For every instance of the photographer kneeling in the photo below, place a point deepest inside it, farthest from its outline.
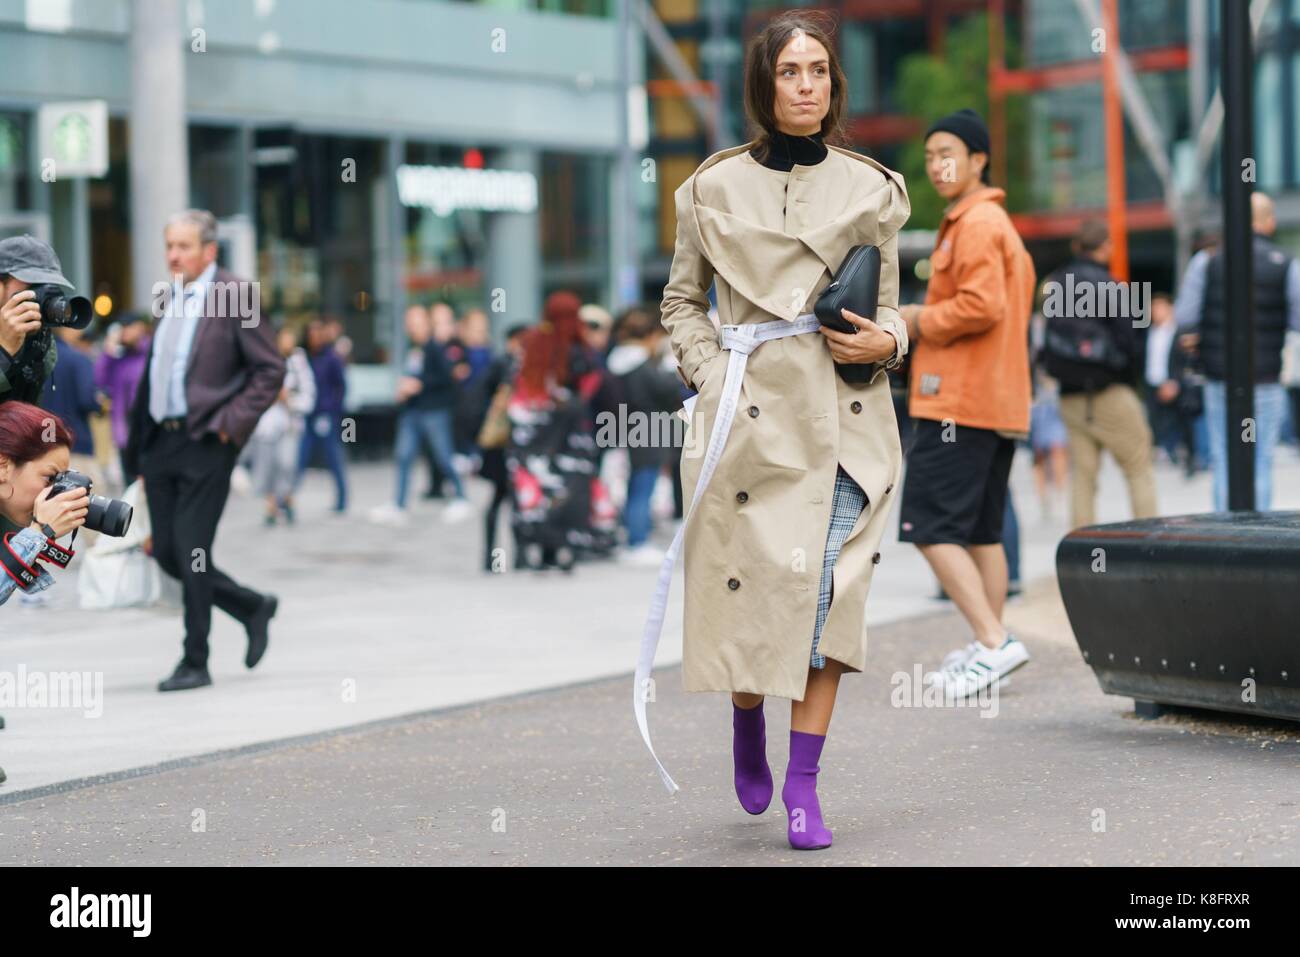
(34, 447)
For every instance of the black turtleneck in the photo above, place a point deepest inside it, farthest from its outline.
(785, 151)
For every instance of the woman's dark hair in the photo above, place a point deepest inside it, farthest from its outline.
(27, 432)
(637, 323)
(760, 76)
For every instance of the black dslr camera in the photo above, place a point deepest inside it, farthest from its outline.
(107, 515)
(60, 310)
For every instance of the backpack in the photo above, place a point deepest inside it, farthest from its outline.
(1082, 353)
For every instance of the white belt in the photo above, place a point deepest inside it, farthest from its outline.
(740, 341)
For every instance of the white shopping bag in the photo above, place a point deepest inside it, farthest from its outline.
(615, 468)
(115, 572)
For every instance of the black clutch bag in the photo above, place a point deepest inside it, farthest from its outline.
(855, 287)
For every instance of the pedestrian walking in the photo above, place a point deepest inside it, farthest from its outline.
(808, 465)
(1201, 313)
(277, 440)
(324, 427)
(1095, 356)
(969, 401)
(210, 376)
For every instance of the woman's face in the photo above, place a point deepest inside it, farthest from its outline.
(803, 86)
(27, 481)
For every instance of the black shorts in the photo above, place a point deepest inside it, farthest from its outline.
(955, 491)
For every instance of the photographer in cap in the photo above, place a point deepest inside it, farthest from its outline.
(27, 352)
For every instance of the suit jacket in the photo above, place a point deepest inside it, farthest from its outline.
(234, 374)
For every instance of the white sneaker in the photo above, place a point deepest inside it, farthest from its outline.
(388, 514)
(643, 554)
(985, 667)
(954, 663)
(457, 510)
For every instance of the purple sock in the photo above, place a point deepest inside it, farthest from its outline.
(804, 828)
(749, 751)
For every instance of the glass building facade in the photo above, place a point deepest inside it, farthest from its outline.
(301, 118)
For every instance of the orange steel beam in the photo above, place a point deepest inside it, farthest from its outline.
(1031, 80)
(997, 96)
(1059, 224)
(1114, 117)
(669, 87)
(884, 128)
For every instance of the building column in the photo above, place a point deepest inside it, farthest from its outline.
(159, 151)
(390, 262)
(514, 267)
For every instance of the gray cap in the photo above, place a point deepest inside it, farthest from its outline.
(32, 261)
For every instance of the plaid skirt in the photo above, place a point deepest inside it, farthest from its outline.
(846, 506)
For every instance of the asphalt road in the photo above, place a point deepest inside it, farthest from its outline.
(1061, 775)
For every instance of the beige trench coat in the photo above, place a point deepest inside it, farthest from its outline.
(753, 550)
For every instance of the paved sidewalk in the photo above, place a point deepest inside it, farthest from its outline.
(1062, 775)
(374, 625)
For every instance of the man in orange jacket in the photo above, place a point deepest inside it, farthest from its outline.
(969, 399)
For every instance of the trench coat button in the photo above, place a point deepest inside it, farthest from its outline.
(733, 583)
(742, 497)
(855, 407)
(875, 559)
(889, 488)
(753, 412)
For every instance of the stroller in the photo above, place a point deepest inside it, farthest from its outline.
(561, 507)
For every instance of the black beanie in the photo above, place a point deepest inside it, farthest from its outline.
(967, 126)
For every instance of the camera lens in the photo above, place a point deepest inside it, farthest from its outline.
(75, 313)
(59, 310)
(108, 515)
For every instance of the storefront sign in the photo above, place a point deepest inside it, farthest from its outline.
(75, 137)
(444, 189)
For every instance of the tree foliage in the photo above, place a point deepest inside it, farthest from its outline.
(930, 87)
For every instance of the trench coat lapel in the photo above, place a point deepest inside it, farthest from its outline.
(792, 266)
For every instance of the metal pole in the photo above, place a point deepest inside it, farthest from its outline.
(1236, 65)
(627, 279)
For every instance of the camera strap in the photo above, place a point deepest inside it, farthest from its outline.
(22, 573)
(55, 554)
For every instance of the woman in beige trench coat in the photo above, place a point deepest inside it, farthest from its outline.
(811, 462)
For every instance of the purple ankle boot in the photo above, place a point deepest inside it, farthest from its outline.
(749, 752)
(804, 828)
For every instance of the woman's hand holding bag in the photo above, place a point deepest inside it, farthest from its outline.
(869, 345)
(858, 346)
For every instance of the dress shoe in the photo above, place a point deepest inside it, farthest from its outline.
(258, 630)
(186, 677)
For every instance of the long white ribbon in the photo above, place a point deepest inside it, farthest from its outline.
(740, 341)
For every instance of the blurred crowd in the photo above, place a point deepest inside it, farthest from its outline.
(525, 419)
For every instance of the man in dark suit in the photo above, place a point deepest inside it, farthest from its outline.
(213, 369)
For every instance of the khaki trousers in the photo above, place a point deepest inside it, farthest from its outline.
(1112, 420)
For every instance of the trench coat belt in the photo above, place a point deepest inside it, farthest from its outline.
(740, 340)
